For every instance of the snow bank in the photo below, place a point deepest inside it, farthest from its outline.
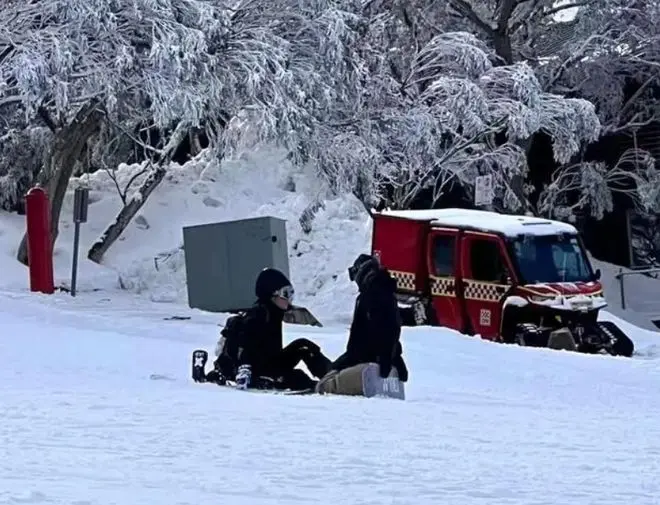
(149, 259)
(641, 295)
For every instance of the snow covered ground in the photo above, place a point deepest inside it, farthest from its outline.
(97, 408)
(96, 404)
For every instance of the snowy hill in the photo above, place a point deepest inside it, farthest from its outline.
(98, 407)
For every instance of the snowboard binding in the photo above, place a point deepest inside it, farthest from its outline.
(199, 359)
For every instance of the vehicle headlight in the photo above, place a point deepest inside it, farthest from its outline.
(583, 304)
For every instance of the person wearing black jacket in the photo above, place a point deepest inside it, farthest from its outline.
(258, 354)
(376, 328)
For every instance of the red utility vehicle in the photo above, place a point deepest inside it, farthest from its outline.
(507, 278)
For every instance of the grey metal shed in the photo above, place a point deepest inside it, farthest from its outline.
(223, 260)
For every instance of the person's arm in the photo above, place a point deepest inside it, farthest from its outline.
(386, 324)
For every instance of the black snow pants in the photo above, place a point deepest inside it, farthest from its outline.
(284, 370)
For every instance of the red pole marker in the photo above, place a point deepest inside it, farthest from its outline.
(40, 247)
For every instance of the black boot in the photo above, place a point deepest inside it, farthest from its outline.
(216, 377)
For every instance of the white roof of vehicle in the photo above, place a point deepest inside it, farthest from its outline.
(507, 224)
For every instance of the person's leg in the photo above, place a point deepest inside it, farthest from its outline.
(306, 351)
(296, 380)
(348, 381)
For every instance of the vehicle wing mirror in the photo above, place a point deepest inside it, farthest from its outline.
(597, 274)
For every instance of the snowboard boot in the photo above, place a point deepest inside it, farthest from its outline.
(199, 359)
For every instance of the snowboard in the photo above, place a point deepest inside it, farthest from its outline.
(199, 359)
(373, 385)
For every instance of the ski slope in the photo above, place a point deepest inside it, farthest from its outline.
(98, 408)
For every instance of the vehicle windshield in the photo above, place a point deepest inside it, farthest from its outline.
(551, 258)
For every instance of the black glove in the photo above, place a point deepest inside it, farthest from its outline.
(385, 368)
(401, 368)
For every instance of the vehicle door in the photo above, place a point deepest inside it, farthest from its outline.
(442, 263)
(486, 275)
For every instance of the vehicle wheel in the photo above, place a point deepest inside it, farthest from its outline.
(407, 316)
(530, 335)
(623, 345)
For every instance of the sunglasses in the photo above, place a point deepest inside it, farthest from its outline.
(286, 292)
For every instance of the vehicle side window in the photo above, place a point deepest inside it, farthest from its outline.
(443, 255)
(486, 261)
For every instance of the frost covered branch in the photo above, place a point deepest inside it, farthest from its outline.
(591, 186)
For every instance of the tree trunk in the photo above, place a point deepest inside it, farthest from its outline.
(68, 146)
(128, 212)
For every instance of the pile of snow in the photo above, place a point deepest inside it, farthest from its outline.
(641, 295)
(148, 259)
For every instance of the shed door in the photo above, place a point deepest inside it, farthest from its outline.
(486, 275)
(442, 257)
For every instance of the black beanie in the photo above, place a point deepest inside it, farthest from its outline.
(362, 265)
(268, 281)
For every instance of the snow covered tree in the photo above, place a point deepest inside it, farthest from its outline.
(436, 124)
(595, 49)
(171, 64)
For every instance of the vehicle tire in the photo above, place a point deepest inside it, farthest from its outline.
(623, 345)
(407, 316)
(530, 335)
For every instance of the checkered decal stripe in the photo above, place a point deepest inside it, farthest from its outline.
(405, 281)
(484, 291)
(443, 286)
(446, 286)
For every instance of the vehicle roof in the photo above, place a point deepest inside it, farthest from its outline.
(506, 224)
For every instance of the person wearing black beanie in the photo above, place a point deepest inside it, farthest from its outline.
(252, 352)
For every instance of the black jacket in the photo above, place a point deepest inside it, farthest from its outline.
(261, 342)
(376, 328)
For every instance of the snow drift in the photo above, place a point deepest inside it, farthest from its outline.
(148, 259)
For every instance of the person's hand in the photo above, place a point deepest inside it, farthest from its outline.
(385, 369)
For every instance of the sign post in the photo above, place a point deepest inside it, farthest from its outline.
(484, 192)
(80, 205)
